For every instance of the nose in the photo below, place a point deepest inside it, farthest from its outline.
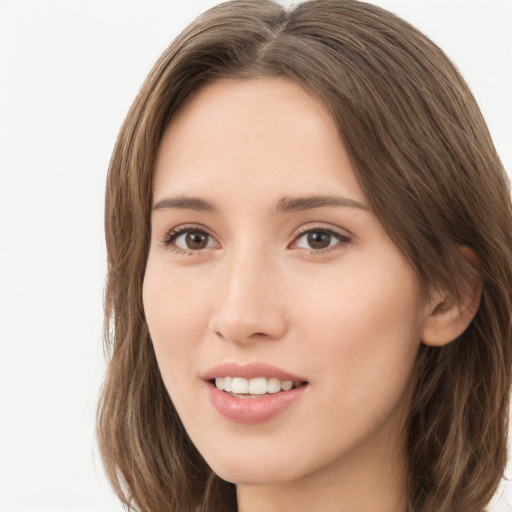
(250, 304)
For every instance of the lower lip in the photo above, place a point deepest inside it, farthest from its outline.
(253, 410)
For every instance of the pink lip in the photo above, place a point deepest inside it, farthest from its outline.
(251, 410)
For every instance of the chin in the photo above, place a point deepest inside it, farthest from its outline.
(247, 470)
(245, 476)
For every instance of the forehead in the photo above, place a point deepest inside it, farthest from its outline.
(256, 134)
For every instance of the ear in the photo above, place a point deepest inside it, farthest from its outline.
(449, 315)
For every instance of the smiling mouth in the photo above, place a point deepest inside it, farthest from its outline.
(258, 387)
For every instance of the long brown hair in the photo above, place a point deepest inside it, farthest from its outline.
(426, 162)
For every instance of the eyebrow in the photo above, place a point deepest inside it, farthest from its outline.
(287, 205)
(184, 203)
(284, 205)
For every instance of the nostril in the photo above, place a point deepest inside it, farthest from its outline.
(245, 325)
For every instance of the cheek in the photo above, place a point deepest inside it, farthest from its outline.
(366, 330)
(366, 299)
(176, 322)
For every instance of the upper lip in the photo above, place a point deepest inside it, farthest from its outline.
(250, 371)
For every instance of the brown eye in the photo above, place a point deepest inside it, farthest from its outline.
(195, 240)
(189, 239)
(319, 239)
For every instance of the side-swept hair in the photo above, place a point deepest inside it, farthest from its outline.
(423, 156)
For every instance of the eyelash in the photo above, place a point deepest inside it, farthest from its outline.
(342, 239)
(170, 238)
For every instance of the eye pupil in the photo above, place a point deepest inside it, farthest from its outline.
(196, 240)
(319, 239)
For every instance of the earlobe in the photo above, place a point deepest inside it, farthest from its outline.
(450, 315)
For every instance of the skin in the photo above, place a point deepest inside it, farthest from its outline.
(349, 318)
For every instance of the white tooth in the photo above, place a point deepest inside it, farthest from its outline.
(240, 385)
(286, 385)
(219, 382)
(273, 385)
(228, 384)
(258, 386)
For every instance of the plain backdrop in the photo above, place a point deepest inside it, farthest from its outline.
(69, 70)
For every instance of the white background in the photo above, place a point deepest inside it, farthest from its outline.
(69, 70)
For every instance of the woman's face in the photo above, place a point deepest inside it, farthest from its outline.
(266, 270)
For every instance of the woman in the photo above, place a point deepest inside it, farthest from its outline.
(308, 299)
